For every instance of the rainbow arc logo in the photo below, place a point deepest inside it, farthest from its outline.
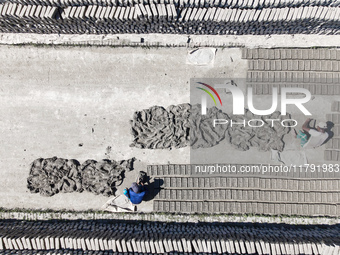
(209, 93)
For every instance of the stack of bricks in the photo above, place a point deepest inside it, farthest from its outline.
(317, 70)
(332, 152)
(170, 16)
(98, 237)
(295, 192)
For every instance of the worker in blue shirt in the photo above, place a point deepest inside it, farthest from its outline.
(136, 193)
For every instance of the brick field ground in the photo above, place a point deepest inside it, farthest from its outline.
(54, 99)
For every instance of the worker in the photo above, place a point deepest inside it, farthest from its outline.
(136, 192)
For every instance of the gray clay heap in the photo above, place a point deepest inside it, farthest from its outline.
(183, 125)
(53, 175)
(101, 177)
(159, 128)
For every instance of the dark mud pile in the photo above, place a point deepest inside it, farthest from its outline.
(184, 125)
(160, 128)
(53, 175)
(102, 177)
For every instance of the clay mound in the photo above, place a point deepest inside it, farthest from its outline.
(202, 132)
(264, 138)
(183, 125)
(53, 175)
(101, 177)
(160, 128)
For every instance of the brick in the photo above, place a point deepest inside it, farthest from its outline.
(324, 90)
(271, 54)
(200, 182)
(310, 53)
(288, 53)
(288, 209)
(244, 52)
(290, 65)
(173, 182)
(316, 65)
(335, 66)
(323, 65)
(263, 54)
(304, 54)
(316, 54)
(295, 65)
(335, 106)
(305, 77)
(260, 64)
(206, 195)
(277, 65)
(283, 65)
(299, 53)
(301, 65)
(322, 53)
(327, 54)
(306, 65)
(294, 53)
(252, 65)
(283, 54)
(267, 65)
(167, 170)
(249, 77)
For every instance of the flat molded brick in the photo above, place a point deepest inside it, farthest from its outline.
(263, 53)
(333, 54)
(244, 52)
(255, 53)
(301, 65)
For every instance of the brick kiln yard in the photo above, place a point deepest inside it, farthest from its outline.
(76, 102)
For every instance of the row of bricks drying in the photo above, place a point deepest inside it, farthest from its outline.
(170, 12)
(143, 27)
(258, 208)
(315, 89)
(97, 29)
(239, 240)
(275, 184)
(19, 12)
(189, 171)
(97, 228)
(249, 195)
(294, 77)
(239, 4)
(290, 53)
(198, 244)
(295, 65)
(201, 246)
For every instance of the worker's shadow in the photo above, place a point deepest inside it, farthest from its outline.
(153, 189)
(329, 131)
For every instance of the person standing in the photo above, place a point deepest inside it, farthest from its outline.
(312, 137)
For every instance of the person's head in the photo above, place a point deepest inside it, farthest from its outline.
(135, 187)
(321, 127)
